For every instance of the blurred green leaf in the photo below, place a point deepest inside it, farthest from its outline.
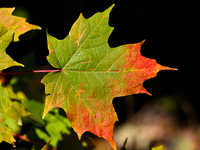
(5, 131)
(59, 130)
(9, 109)
(30, 80)
(36, 109)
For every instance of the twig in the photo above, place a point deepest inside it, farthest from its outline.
(33, 71)
(29, 140)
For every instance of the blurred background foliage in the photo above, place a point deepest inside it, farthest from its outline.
(169, 117)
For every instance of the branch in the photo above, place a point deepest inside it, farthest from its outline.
(29, 140)
(34, 71)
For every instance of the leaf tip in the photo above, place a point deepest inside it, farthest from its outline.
(19, 122)
(79, 136)
(149, 94)
(146, 92)
(113, 145)
(13, 145)
(168, 68)
(174, 69)
(18, 64)
(112, 5)
(161, 67)
(44, 114)
(38, 28)
(142, 41)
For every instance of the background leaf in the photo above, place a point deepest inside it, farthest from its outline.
(9, 109)
(5, 131)
(158, 148)
(6, 37)
(10, 26)
(9, 21)
(58, 128)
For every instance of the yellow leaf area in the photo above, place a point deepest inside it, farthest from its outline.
(9, 21)
(158, 148)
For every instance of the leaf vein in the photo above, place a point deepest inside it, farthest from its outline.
(82, 42)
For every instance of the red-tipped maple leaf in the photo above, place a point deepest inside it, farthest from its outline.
(92, 74)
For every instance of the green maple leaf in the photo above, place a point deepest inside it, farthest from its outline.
(59, 130)
(92, 74)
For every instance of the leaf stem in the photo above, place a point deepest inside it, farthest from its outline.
(33, 141)
(33, 71)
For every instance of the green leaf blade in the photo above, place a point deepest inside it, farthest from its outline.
(84, 36)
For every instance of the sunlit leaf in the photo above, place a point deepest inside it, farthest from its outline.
(92, 74)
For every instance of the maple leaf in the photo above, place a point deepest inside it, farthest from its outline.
(92, 74)
(9, 26)
(6, 38)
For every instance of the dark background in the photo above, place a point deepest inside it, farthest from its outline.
(171, 31)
